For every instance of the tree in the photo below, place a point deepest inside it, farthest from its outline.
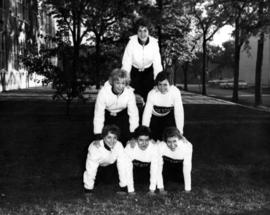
(70, 16)
(172, 28)
(244, 17)
(263, 22)
(209, 18)
(104, 19)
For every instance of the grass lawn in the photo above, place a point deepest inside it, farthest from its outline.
(42, 155)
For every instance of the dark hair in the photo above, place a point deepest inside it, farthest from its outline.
(114, 129)
(141, 22)
(142, 131)
(163, 76)
(171, 132)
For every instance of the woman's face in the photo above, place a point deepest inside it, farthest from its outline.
(110, 140)
(119, 85)
(143, 33)
(163, 86)
(172, 143)
(143, 142)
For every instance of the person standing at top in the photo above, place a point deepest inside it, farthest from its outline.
(116, 104)
(142, 59)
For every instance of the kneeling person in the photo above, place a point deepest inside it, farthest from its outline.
(108, 151)
(144, 150)
(176, 147)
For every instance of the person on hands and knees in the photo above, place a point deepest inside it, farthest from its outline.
(109, 151)
(116, 104)
(144, 152)
(176, 148)
(164, 107)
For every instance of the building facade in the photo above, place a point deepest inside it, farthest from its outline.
(21, 23)
(247, 67)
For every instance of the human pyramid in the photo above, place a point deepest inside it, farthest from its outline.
(120, 138)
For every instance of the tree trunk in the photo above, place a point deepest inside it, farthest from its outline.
(159, 29)
(259, 62)
(236, 61)
(204, 66)
(97, 62)
(258, 74)
(75, 68)
(185, 68)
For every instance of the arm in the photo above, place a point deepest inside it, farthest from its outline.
(147, 113)
(133, 113)
(129, 169)
(160, 183)
(178, 110)
(187, 166)
(91, 165)
(156, 178)
(127, 58)
(157, 60)
(99, 113)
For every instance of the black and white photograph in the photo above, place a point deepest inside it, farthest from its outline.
(134, 107)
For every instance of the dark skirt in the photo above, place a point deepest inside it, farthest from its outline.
(142, 82)
(159, 123)
(122, 121)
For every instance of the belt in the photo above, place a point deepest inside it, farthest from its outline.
(141, 69)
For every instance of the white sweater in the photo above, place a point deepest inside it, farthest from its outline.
(102, 156)
(142, 57)
(107, 100)
(183, 152)
(171, 99)
(151, 155)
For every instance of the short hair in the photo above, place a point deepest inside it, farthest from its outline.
(116, 74)
(163, 76)
(114, 129)
(142, 21)
(142, 131)
(171, 132)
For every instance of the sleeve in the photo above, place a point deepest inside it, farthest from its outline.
(99, 113)
(93, 153)
(128, 152)
(157, 60)
(127, 58)
(187, 167)
(147, 113)
(178, 110)
(133, 113)
(156, 178)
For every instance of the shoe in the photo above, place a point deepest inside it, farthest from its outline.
(132, 193)
(88, 192)
(122, 191)
(186, 191)
(151, 193)
(163, 192)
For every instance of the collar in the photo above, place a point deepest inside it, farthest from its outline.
(107, 147)
(116, 93)
(143, 44)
